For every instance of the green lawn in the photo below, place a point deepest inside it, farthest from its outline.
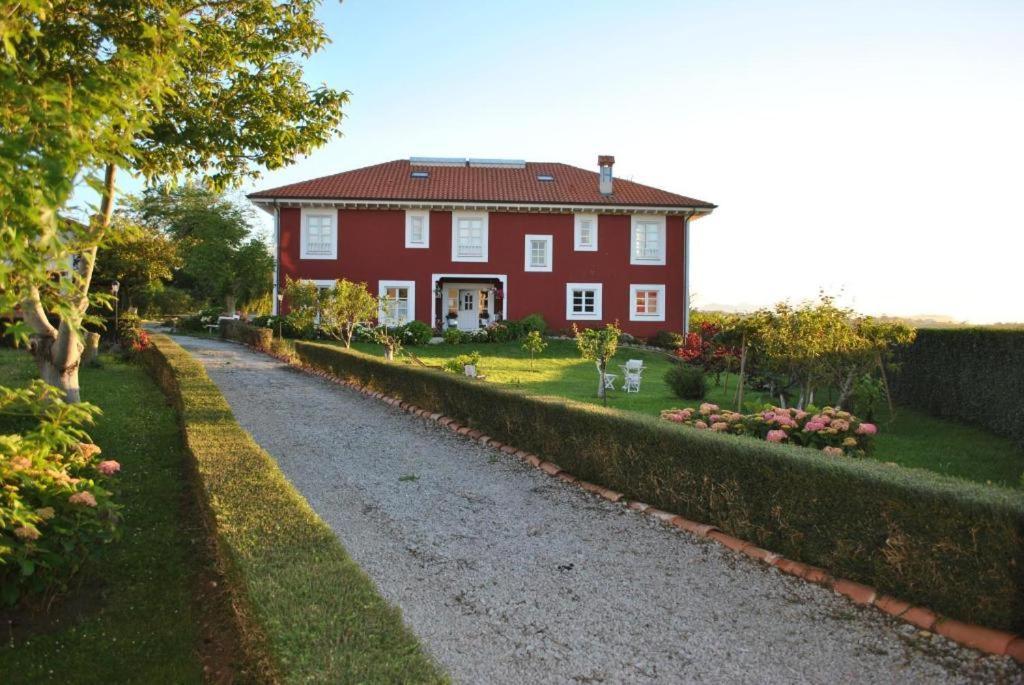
(130, 616)
(914, 439)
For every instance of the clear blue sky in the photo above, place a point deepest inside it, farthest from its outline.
(871, 147)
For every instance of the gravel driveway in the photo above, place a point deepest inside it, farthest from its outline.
(510, 576)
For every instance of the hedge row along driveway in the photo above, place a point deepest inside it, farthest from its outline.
(509, 575)
(308, 612)
(955, 547)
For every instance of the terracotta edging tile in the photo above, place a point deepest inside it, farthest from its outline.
(665, 517)
(919, 616)
(547, 467)
(984, 639)
(973, 636)
(735, 544)
(858, 592)
(892, 605)
(1016, 649)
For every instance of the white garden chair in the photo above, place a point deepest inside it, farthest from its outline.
(632, 366)
(632, 381)
(609, 381)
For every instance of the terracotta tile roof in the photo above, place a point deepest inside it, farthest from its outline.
(393, 181)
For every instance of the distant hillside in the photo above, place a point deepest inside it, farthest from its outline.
(915, 320)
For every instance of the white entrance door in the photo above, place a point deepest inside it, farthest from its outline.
(469, 316)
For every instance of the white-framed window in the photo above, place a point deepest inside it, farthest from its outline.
(585, 232)
(648, 243)
(538, 253)
(417, 229)
(469, 236)
(397, 302)
(318, 234)
(583, 301)
(646, 302)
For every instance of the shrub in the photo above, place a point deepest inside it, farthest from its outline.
(54, 509)
(970, 374)
(458, 364)
(670, 340)
(533, 322)
(687, 381)
(130, 333)
(253, 336)
(417, 333)
(499, 332)
(453, 336)
(516, 329)
(199, 322)
(832, 431)
(954, 546)
(283, 564)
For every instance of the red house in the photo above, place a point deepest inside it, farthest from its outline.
(465, 242)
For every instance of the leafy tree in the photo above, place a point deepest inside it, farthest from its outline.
(163, 87)
(598, 346)
(345, 306)
(219, 260)
(81, 80)
(534, 344)
(303, 299)
(138, 257)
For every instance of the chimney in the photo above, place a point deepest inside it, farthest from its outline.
(605, 182)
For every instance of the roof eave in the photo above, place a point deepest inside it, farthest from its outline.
(268, 202)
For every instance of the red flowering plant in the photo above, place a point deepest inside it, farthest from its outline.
(833, 431)
(132, 335)
(703, 348)
(53, 506)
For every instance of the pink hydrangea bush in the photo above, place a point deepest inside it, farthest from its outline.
(833, 431)
(54, 507)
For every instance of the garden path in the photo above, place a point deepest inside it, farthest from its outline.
(510, 576)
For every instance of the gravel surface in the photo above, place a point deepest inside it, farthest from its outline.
(510, 576)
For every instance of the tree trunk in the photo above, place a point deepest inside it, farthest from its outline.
(743, 368)
(600, 382)
(229, 305)
(92, 348)
(885, 386)
(58, 351)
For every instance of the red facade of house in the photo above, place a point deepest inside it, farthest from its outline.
(588, 287)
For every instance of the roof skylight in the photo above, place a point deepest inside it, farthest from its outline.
(420, 174)
(545, 177)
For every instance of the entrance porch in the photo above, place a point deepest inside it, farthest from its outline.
(468, 301)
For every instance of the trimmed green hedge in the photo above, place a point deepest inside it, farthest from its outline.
(253, 336)
(953, 546)
(308, 612)
(975, 375)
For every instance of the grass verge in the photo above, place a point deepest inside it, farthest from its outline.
(309, 613)
(130, 615)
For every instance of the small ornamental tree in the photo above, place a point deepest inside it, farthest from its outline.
(345, 306)
(598, 346)
(534, 344)
(385, 334)
(303, 300)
